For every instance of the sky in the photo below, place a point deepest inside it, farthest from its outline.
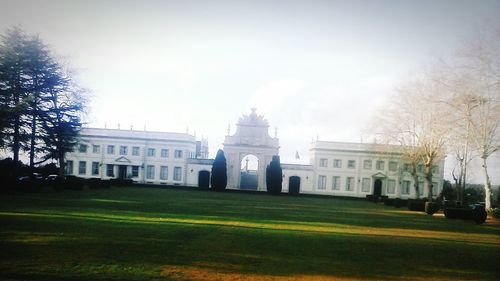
(314, 69)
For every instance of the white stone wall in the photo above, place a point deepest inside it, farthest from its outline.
(306, 175)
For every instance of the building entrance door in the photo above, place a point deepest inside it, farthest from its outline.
(122, 171)
(294, 185)
(377, 188)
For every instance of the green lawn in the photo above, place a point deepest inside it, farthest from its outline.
(165, 234)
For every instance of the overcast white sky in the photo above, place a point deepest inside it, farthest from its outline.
(313, 68)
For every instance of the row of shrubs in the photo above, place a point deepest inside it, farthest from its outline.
(477, 213)
(452, 210)
(70, 183)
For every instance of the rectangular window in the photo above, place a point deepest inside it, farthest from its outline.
(435, 169)
(135, 150)
(95, 168)
(321, 182)
(393, 166)
(164, 153)
(82, 168)
(123, 150)
(82, 148)
(420, 168)
(163, 172)
(110, 170)
(69, 167)
(367, 164)
(177, 173)
(405, 189)
(96, 148)
(323, 162)
(365, 186)
(391, 186)
(380, 165)
(151, 152)
(111, 149)
(420, 188)
(178, 154)
(337, 163)
(335, 182)
(349, 184)
(135, 171)
(351, 164)
(150, 172)
(407, 167)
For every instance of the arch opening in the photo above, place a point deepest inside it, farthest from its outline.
(249, 176)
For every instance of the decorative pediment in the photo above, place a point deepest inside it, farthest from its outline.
(122, 159)
(379, 175)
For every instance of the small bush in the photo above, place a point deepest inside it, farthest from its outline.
(494, 212)
(431, 208)
(479, 214)
(369, 197)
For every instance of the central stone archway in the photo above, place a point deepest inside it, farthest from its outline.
(249, 178)
(251, 138)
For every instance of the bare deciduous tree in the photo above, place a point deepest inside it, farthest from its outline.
(414, 119)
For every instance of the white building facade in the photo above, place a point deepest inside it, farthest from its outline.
(335, 168)
(360, 169)
(144, 157)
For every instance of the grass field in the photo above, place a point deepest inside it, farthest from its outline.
(166, 234)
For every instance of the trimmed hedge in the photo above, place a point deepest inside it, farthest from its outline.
(431, 208)
(477, 213)
(398, 203)
(417, 205)
(389, 202)
(73, 182)
(121, 182)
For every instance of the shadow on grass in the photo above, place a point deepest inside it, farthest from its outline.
(90, 249)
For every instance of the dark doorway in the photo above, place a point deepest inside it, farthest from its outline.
(294, 185)
(203, 179)
(122, 171)
(377, 188)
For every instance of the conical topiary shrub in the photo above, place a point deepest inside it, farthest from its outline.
(274, 176)
(219, 172)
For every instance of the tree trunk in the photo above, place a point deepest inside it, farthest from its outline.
(61, 164)
(415, 185)
(15, 137)
(428, 179)
(33, 142)
(487, 185)
(415, 180)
